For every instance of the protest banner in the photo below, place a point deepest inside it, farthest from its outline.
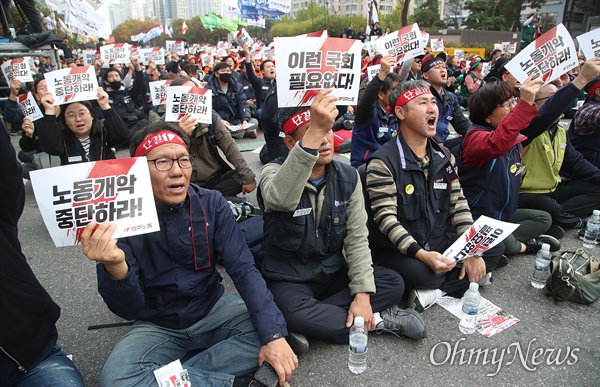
(71, 196)
(175, 45)
(484, 234)
(158, 91)
(437, 45)
(115, 53)
(486, 67)
(29, 106)
(406, 43)
(549, 56)
(206, 59)
(425, 38)
(154, 54)
(89, 57)
(370, 47)
(372, 71)
(509, 47)
(589, 44)
(221, 52)
(459, 53)
(306, 65)
(182, 100)
(72, 84)
(17, 68)
(244, 38)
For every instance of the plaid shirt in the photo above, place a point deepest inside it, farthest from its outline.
(587, 118)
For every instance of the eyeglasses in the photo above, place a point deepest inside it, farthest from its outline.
(165, 164)
(80, 114)
(509, 104)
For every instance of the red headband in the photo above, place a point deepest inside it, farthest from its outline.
(410, 94)
(296, 121)
(156, 140)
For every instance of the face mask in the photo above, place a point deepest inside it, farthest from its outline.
(225, 77)
(115, 85)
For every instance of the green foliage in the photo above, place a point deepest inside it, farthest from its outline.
(428, 15)
(393, 19)
(481, 16)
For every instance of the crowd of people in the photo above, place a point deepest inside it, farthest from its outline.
(431, 151)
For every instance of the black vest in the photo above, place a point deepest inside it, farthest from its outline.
(423, 207)
(294, 249)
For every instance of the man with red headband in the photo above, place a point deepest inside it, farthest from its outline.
(167, 281)
(316, 257)
(413, 193)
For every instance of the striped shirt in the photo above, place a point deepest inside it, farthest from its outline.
(85, 143)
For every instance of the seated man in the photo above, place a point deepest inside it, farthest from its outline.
(168, 281)
(316, 257)
(230, 101)
(435, 73)
(584, 131)
(210, 170)
(550, 156)
(413, 193)
(29, 352)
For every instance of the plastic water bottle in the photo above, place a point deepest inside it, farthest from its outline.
(591, 230)
(357, 358)
(541, 269)
(471, 300)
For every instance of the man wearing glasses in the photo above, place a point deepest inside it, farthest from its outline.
(168, 283)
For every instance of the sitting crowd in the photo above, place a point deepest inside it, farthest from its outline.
(339, 240)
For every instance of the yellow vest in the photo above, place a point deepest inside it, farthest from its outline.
(543, 158)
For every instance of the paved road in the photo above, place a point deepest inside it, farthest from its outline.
(567, 334)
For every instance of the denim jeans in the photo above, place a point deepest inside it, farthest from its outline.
(226, 338)
(57, 370)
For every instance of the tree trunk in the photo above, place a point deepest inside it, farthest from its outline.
(405, 13)
(570, 15)
(517, 20)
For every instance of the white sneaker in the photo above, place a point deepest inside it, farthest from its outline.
(422, 299)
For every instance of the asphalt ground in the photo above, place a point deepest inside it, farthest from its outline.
(554, 344)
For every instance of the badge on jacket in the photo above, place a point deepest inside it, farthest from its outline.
(302, 212)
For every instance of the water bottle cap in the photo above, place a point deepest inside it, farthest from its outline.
(545, 247)
(359, 321)
(473, 286)
(596, 212)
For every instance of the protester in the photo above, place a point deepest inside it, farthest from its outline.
(210, 170)
(530, 30)
(551, 155)
(78, 135)
(584, 132)
(29, 352)
(373, 124)
(167, 281)
(316, 257)
(413, 194)
(490, 165)
(473, 79)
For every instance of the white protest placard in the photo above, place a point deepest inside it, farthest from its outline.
(89, 57)
(17, 68)
(497, 46)
(509, 47)
(158, 91)
(154, 54)
(484, 234)
(115, 53)
(549, 56)
(425, 38)
(372, 71)
(306, 65)
(243, 38)
(71, 196)
(370, 47)
(459, 53)
(486, 67)
(589, 44)
(29, 106)
(175, 45)
(437, 45)
(221, 52)
(206, 59)
(406, 43)
(72, 84)
(182, 100)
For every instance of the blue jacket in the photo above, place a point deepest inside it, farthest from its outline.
(174, 285)
(230, 106)
(373, 127)
(450, 113)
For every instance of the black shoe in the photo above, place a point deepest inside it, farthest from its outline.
(298, 343)
(503, 261)
(534, 245)
(556, 231)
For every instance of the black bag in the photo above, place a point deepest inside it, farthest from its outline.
(252, 228)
